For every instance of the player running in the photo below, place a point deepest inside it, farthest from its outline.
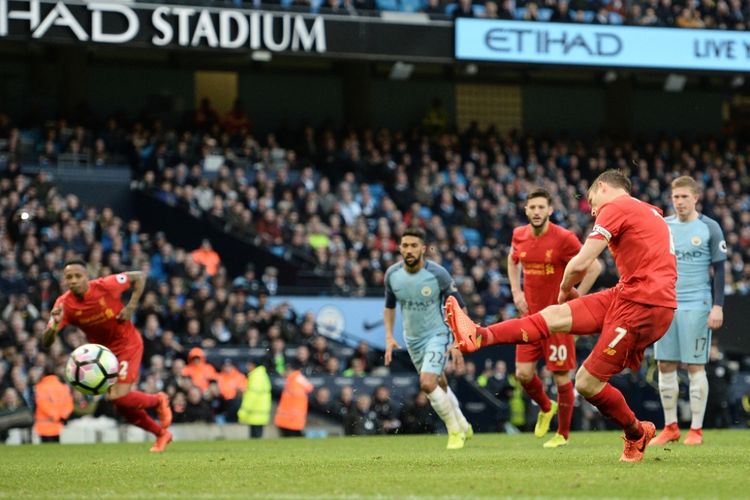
(543, 249)
(421, 286)
(700, 246)
(96, 308)
(632, 315)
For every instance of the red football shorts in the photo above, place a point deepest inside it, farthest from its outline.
(558, 352)
(129, 353)
(626, 327)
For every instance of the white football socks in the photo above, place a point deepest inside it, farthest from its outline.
(669, 391)
(441, 403)
(463, 424)
(698, 398)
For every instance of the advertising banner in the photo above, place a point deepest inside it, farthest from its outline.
(602, 45)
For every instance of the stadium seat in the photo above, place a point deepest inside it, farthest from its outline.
(545, 14)
(387, 4)
(472, 236)
(615, 18)
(412, 5)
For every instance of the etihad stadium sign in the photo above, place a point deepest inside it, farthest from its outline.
(194, 27)
(163, 26)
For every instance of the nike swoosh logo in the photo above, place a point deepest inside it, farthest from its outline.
(371, 325)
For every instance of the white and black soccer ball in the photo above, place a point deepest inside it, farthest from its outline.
(92, 369)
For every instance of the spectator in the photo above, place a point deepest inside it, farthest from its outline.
(206, 256)
(417, 417)
(387, 421)
(197, 408)
(361, 420)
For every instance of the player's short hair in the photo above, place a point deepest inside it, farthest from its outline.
(75, 262)
(540, 192)
(615, 178)
(685, 181)
(416, 232)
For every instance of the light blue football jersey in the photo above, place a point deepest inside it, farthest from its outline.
(698, 244)
(421, 296)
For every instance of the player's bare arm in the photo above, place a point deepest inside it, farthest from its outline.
(592, 273)
(53, 325)
(138, 281)
(389, 318)
(578, 267)
(514, 276)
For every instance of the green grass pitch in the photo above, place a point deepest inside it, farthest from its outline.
(416, 467)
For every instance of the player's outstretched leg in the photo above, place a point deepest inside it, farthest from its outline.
(470, 336)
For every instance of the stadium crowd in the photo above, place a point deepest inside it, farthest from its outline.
(340, 196)
(709, 14)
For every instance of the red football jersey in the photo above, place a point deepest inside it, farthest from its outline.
(641, 244)
(96, 313)
(543, 259)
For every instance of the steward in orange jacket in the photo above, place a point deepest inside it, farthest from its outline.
(54, 403)
(198, 369)
(291, 413)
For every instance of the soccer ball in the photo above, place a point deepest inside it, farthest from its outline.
(92, 369)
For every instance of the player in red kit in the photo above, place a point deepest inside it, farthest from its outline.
(631, 316)
(96, 308)
(542, 250)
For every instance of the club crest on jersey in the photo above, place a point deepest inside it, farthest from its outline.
(426, 291)
(696, 241)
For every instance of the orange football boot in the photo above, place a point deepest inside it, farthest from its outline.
(162, 440)
(634, 448)
(668, 434)
(694, 437)
(463, 328)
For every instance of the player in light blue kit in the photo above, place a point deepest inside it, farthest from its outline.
(421, 286)
(700, 247)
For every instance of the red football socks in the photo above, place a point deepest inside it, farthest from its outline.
(131, 407)
(138, 400)
(611, 403)
(516, 331)
(565, 402)
(535, 390)
(139, 418)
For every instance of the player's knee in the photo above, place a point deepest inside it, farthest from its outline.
(427, 386)
(558, 317)
(524, 376)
